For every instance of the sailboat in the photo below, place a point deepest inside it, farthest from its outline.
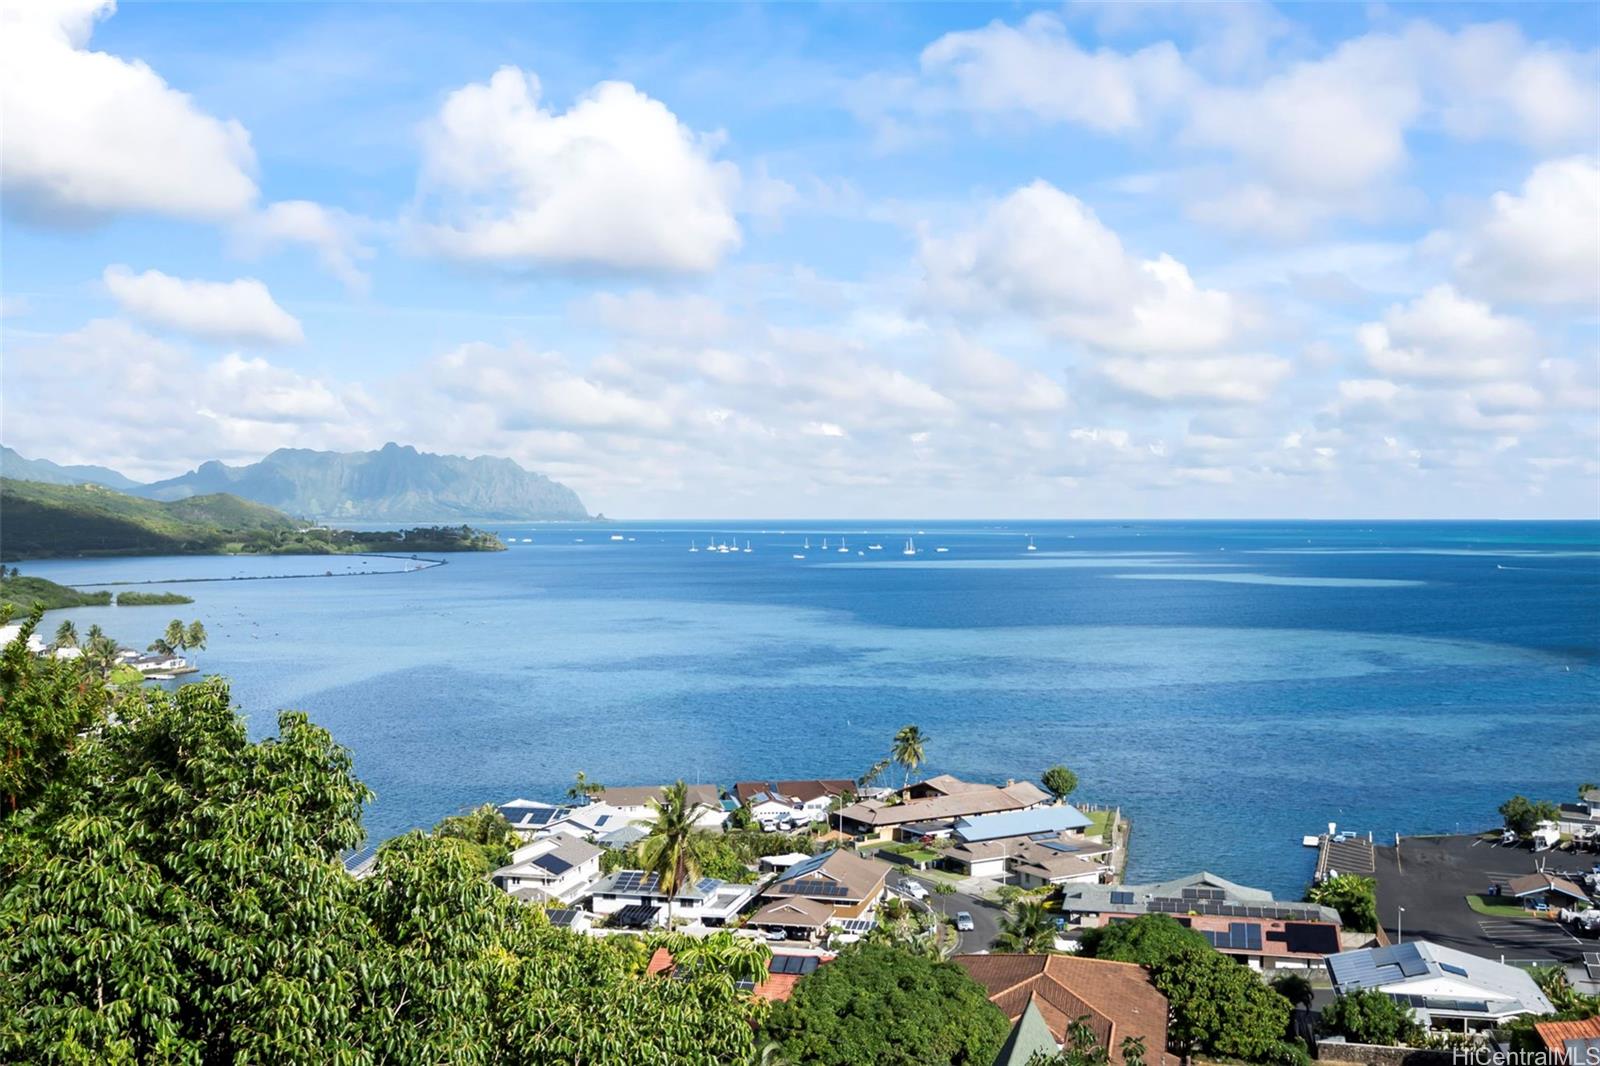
(808, 544)
(1031, 546)
(842, 549)
(824, 543)
(747, 548)
(692, 547)
(910, 548)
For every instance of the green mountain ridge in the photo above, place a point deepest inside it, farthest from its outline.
(16, 466)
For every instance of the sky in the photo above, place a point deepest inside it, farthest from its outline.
(872, 260)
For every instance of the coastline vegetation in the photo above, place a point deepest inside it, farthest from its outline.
(23, 592)
(151, 599)
(47, 521)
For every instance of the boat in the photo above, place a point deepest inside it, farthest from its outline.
(1311, 840)
(842, 549)
(692, 547)
(616, 536)
(747, 548)
(160, 677)
(874, 547)
(909, 549)
(941, 550)
(808, 544)
(797, 555)
(1032, 546)
(824, 543)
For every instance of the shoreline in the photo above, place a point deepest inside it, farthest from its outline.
(426, 564)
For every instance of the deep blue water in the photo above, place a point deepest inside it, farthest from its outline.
(1232, 685)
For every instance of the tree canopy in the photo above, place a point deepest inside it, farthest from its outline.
(1059, 781)
(1368, 1016)
(1219, 1007)
(1524, 815)
(173, 892)
(879, 1006)
(1353, 896)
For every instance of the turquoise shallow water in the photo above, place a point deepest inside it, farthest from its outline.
(1233, 686)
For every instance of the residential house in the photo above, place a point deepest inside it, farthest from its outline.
(1198, 893)
(638, 803)
(1571, 1043)
(1534, 889)
(806, 800)
(1265, 944)
(844, 881)
(590, 822)
(12, 630)
(1445, 988)
(556, 868)
(1116, 1000)
(1030, 1036)
(798, 918)
(708, 900)
(530, 817)
(774, 864)
(1055, 821)
(622, 837)
(1031, 862)
(784, 971)
(941, 799)
(575, 919)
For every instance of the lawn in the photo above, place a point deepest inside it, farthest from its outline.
(1099, 823)
(909, 850)
(1495, 907)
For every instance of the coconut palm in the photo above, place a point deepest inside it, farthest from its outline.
(66, 635)
(583, 789)
(672, 850)
(874, 772)
(100, 653)
(195, 636)
(908, 750)
(1027, 930)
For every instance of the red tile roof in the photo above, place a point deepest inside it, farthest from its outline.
(1556, 1034)
(660, 962)
(1117, 997)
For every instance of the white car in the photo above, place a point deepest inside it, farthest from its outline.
(914, 889)
(964, 922)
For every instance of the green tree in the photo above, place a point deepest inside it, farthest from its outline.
(721, 956)
(880, 1006)
(1027, 929)
(66, 635)
(874, 772)
(1293, 987)
(1083, 1048)
(908, 750)
(45, 708)
(487, 831)
(1148, 940)
(674, 847)
(1368, 1016)
(1524, 815)
(1060, 782)
(1353, 896)
(584, 790)
(194, 637)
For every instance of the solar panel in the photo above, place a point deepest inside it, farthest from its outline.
(1310, 938)
(1413, 967)
(1452, 968)
(553, 863)
(793, 964)
(1122, 897)
(1253, 938)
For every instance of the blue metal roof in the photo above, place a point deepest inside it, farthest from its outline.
(1020, 823)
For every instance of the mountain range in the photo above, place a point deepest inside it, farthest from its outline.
(393, 484)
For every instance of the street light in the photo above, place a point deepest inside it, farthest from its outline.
(1400, 926)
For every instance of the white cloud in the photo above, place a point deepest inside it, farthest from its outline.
(1442, 336)
(615, 183)
(1542, 246)
(331, 233)
(1037, 69)
(90, 134)
(521, 389)
(991, 384)
(1043, 253)
(241, 310)
(1228, 379)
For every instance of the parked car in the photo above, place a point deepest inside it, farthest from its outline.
(914, 888)
(776, 935)
(964, 921)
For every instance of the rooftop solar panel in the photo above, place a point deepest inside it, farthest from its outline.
(1413, 967)
(1310, 938)
(1122, 897)
(1452, 968)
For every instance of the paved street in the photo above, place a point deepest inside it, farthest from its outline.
(986, 916)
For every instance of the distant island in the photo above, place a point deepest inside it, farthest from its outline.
(393, 484)
(23, 591)
(39, 520)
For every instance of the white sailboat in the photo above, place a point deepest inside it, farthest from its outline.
(842, 549)
(808, 544)
(824, 543)
(797, 555)
(747, 548)
(692, 547)
(1032, 546)
(910, 548)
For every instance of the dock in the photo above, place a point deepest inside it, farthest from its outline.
(1350, 855)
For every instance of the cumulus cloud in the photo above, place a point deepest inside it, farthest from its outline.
(1442, 336)
(88, 134)
(1244, 379)
(614, 183)
(332, 234)
(241, 310)
(1542, 246)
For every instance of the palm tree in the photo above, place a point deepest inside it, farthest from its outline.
(195, 636)
(100, 653)
(1027, 930)
(672, 850)
(874, 772)
(908, 750)
(584, 789)
(66, 635)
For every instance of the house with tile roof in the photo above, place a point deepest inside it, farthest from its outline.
(1571, 1043)
(1116, 999)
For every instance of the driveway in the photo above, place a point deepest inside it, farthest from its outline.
(986, 915)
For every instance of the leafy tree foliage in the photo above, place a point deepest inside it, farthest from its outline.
(1353, 896)
(1218, 1006)
(171, 891)
(880, 1006)
(1368, 1016)
(1060, 782)
(1293, 987)
(1083, 1048)
(1524, 815)
(487, 831)
(1027, 929)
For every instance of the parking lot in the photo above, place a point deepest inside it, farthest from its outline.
(1430, 877)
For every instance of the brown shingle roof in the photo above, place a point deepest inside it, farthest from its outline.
(797, 912)
(641, 795)
(1531, 883)
(859, 878)
(802, 790)
(979, 799)
(1117, 997)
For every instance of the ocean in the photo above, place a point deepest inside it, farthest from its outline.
(1231, 685)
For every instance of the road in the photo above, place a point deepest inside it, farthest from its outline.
(986, 916)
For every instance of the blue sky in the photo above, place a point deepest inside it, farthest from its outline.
(876, 260)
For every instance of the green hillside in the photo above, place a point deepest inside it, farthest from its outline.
(23, 592)
(40, 520)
